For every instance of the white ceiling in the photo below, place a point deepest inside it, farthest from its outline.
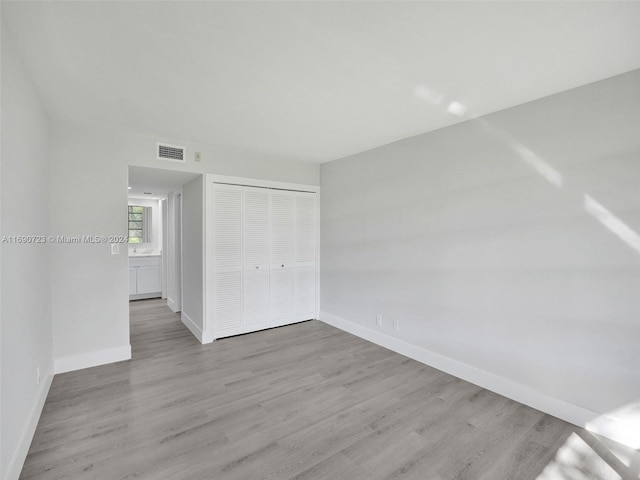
(313, 81)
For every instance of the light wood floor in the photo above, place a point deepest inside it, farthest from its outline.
(305, 401)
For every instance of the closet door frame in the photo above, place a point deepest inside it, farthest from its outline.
(209, 332)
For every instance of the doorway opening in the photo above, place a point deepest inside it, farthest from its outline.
(155, 230)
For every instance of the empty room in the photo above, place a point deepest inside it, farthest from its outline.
(320, 240)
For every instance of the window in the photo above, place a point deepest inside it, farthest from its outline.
(136, 224)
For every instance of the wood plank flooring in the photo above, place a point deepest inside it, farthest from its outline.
(305, 401)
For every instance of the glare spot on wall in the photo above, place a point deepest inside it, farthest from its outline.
(428, 95)
(456, 108)
(614, 225)
(542, 167)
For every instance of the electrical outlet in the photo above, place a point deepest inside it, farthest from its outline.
(197, 156)
(38, 376)
(395, 325)
(379, 320)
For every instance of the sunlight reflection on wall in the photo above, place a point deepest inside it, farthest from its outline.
(542, 167)
(613, 224)
(428, 95)
(456, 108)
(622, 424)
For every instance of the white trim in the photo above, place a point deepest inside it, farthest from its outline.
(206, 335)
(203, 337)
(176, 253)
(180, 299)
(520, 393)
(24, 443)
(92, 359)
(209, 249)
(164, 262)
(207, 338)
(145, 296)
(172, 305)
(172, 250)
(316, 312)
(256, 182)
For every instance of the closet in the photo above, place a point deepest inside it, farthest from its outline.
(264, 256)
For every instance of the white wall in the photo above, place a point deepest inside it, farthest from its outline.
(90, 287)
(90, 295)
(485, 242)
(192, 256)
(25, 269)
(156, 223)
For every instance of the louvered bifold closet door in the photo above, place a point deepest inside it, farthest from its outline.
(256, 258)
(227, 282)
(305, 255)
(281, 261)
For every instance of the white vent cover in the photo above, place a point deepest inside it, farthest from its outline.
(170, 152)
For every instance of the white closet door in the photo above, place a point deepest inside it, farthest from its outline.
(227, 282)
(305, 255)
(281, 258)
(256, 258)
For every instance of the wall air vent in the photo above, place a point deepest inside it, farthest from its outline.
(170, 152)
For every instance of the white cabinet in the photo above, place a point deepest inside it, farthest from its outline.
(264, 258)
(145, 277)
(148, 279)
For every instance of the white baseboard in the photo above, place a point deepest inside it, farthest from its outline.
(92, 359)
(203, 337)
(521, 393)
(22, 449)
(207, 337)
(145, 296)
(172, 305)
